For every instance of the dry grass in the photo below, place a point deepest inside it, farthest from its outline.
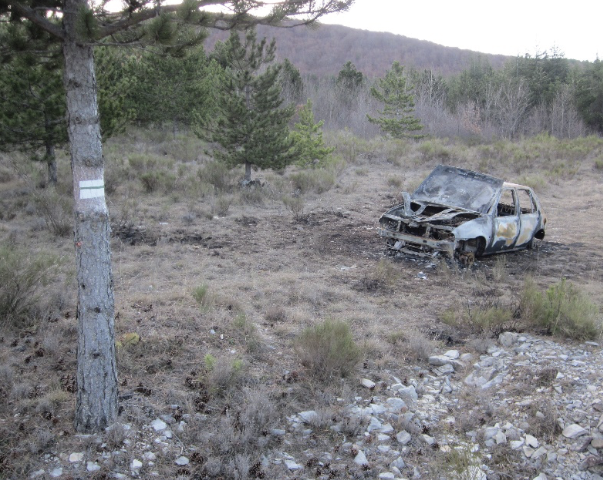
(212, 269)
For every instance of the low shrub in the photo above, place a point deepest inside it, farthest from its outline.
(246, 332)
(295, 205)
(487, 317)
(328, 350)
(21, 277)
(221, 375)
(56, 210)
(216, 174)
(203, 297)
(384, 275)
(221, 204)
(318, 181)
(433, 149)
(158, 181)
(563, 309)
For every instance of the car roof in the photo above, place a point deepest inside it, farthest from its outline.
(515, 185)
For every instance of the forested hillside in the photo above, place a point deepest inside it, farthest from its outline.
(323, 50)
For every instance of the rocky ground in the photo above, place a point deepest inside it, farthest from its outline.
(528, 407)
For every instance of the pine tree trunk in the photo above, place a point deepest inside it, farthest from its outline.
(96, 406)
(247, 172)
(51, 161)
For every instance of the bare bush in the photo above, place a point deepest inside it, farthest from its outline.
(21, 277)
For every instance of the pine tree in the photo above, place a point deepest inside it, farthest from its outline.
(252, 126)
(397, 118)
(76, 26)
(32, 103)
(169, 89)
(291, 82)
(589, 95)
(307, 138)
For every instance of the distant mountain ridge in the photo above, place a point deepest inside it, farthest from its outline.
(324, 50)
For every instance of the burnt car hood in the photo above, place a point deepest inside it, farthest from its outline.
(460, 190)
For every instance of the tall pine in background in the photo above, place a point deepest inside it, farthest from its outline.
(397, 119)
(251, 128)
(32, 98)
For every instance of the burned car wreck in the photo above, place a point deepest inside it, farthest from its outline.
(463, 214)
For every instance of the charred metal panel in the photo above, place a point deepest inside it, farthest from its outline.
(460, 188)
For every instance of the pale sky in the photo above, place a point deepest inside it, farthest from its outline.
(511, 27)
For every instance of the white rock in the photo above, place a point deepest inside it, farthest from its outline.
(395, 404)
(360, 459)
(387, 428)
(158, 425)
(377, 409)
(150, 456)
(387, 476)
(541, 476)
(475, 380)
(532, 441)
(500, 438)
(76, 457)
(136, 464)
(466, 357)
(444, 370)
(539, 453)
(368, 383)
(408, 394)
(182, 461)
(597, 443)
(37, 473)
(438, 360)
(403, 437)
(495, 381)
(374, 424)
(92, 467)
(474, 473)
(308, 416)
(574, 431)
(454, 354)
(292, 465)
(516, 444)
(508, 339)
(56, 472)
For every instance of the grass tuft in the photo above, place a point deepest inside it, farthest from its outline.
(562, 310)
(328, 350)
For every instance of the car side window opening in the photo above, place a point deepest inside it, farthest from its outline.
(526, 202)
(506, 204)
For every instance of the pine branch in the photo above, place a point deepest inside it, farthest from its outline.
(34, 17)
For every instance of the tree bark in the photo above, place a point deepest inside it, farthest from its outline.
(96, 406)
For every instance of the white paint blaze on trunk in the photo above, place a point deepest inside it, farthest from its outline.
(96, 406)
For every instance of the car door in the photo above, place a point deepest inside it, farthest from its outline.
(506, 221)
(529, 217)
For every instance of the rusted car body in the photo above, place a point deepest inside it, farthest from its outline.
(464, 214)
